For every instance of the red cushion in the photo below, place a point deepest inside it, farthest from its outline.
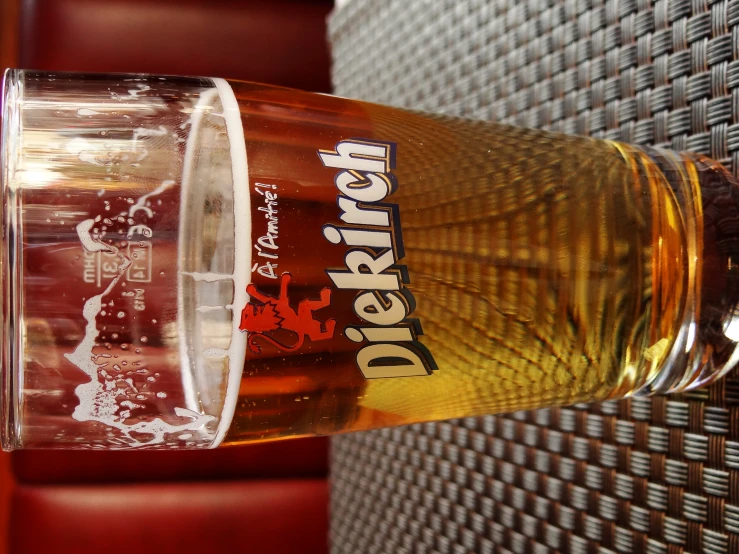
(281, 41)
(265, 517)
(289, 458)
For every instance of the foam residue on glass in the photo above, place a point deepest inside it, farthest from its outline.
(208, 309)
(101, 399)
(111, 181)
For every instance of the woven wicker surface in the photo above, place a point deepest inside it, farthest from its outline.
(657, 475)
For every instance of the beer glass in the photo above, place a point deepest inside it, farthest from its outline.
(195, 262)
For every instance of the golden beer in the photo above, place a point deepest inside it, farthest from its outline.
(547, 269)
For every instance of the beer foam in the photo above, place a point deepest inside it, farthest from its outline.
(133, 94)
(141, 202)
(100, 398)
(98, 401)
(236, 352)
(215, 353)
(88, 243)
(203, 106)
(208, 277)
(242, 250)
(204, 309)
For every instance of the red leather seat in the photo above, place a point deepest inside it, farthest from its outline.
(266, 516)
(263, 499)
(282, 42)
(267, 498)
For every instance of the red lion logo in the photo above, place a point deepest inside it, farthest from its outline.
(276, 313)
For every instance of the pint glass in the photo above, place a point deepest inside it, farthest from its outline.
(192, 262)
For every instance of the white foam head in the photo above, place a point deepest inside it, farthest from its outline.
(235, 353)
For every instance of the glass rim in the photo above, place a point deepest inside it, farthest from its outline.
(10, 264)
(20, 100)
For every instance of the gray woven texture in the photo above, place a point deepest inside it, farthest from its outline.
(654, 475)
